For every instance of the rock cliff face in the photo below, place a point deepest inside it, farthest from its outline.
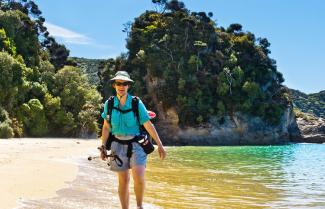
(237, 130)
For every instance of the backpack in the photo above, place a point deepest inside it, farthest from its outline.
(135, 109)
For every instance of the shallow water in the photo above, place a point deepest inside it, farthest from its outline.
(289, 176)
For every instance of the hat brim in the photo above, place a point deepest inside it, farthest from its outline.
(123, 78)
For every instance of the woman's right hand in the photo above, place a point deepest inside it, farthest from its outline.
(103, 152)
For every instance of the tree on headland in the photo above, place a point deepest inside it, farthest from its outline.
(201, 69)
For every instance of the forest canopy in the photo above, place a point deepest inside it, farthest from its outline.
(40, 95)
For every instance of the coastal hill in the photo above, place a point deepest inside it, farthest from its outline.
(209, 84)
(309, 103)
(89, 67)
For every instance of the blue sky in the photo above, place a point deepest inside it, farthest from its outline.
(295, 29)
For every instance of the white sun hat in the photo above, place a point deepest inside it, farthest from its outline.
(122, 75)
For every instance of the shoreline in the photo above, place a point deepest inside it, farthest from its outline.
(36, 168)
(55, 173)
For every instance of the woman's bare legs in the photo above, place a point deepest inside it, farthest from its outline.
(123, 188)
(138, 173)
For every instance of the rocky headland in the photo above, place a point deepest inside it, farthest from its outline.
(312, 129)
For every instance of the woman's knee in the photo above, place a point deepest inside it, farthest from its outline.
(124, 178)
(138, 173)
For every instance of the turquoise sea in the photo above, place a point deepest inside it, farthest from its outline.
(287, 176)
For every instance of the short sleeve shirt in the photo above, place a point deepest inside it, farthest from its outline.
(127, 123)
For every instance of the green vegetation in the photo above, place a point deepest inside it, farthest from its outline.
(40, 94)
(304, 115)
(200, 68)
(183, 57)
(309, 103)
(90, 67)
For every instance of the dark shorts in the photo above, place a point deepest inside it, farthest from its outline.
(139, 157)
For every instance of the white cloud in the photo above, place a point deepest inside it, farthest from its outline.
(67, 35)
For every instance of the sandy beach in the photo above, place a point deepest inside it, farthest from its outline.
(36, 168)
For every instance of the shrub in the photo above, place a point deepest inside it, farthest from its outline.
(6, 131)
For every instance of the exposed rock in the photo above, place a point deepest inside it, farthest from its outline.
(312, 129)
(236, 130)
(172, 116)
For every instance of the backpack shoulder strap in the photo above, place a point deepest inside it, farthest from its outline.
(135, 107)
(110, 105)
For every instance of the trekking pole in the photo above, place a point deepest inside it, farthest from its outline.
(93, 157)
(116, 158)
(90, 158)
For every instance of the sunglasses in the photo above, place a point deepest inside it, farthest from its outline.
(121, 83)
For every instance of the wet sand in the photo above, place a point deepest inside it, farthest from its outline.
(37, 168)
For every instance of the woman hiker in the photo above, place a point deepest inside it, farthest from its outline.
(122, 128)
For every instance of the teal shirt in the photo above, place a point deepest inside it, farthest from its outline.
(126, 124)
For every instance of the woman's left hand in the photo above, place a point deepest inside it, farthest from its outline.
(162, 152)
